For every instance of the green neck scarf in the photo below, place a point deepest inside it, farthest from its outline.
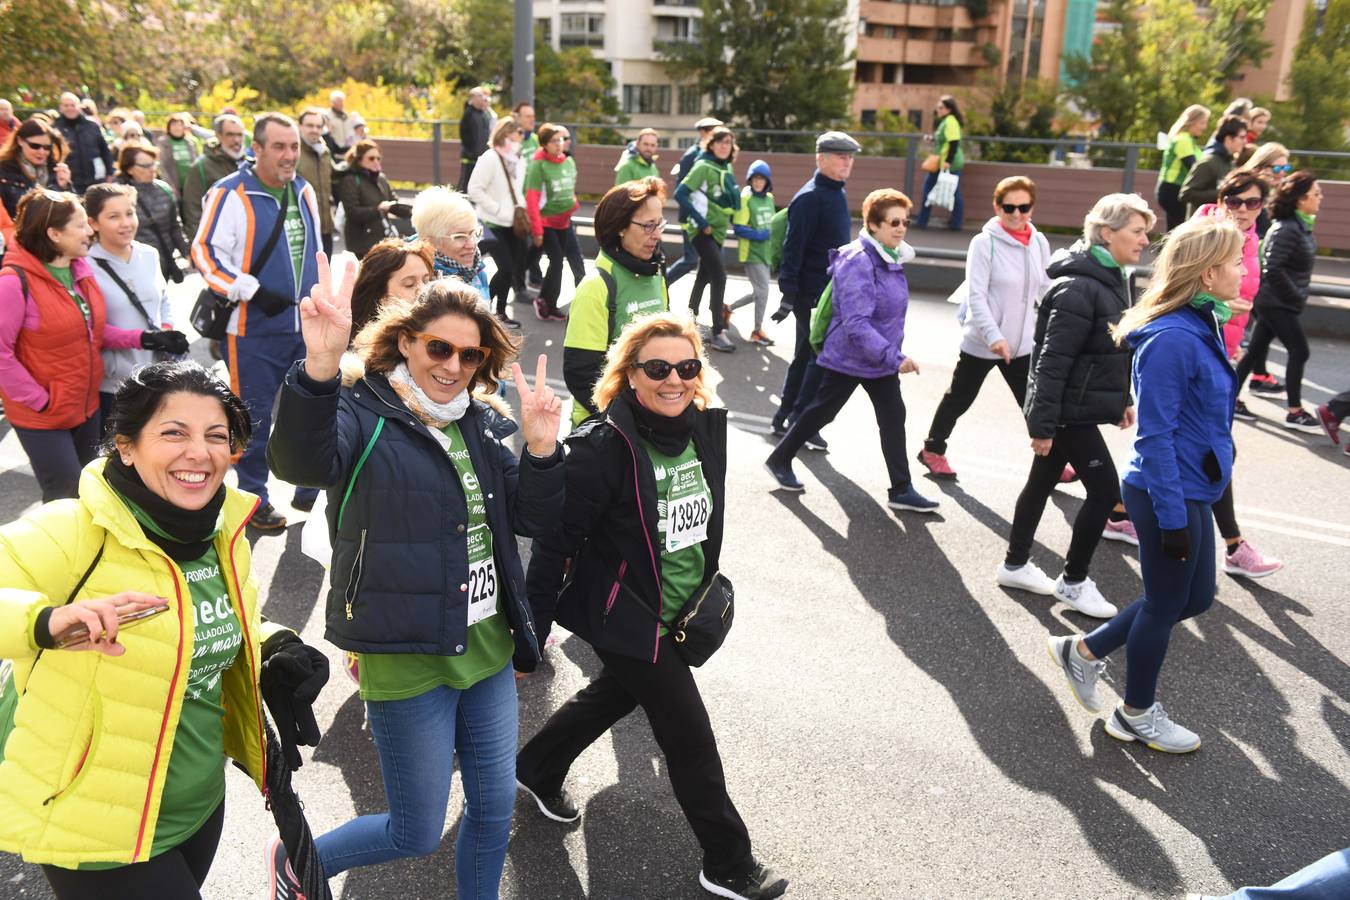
(1305, 218)
(1205, 302)
(1103, 256)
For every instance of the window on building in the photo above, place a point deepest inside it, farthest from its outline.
(689, 100)
(916, 119)
(957, 75)
(890, 73)
(648, 99)
(543, 30)
(581, 30)
(673, 29)
(868, 118)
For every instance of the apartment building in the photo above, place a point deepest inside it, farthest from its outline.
(628, 35)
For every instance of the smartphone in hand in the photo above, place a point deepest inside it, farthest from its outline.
(79, 633)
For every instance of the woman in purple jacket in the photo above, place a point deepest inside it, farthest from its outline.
(870, 296)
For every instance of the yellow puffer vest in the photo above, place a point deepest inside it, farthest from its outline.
(84, 765)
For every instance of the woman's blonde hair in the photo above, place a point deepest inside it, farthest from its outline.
(377, 344)
(506, 127)
(1188, 251)
(1189, 116)
(623, 356)
(1265, 155)
(1114, 211)
(439, 211)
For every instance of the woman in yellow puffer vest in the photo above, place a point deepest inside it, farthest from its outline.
(113, 771)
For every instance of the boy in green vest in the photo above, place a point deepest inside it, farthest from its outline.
(752, 224)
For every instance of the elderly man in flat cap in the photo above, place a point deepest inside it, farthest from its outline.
(818, 221)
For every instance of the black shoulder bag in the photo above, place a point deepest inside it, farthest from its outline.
(150, 323)
(211, 313)
(704, 621)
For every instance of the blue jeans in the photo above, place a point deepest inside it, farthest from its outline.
(1326, 879)
(1173, 591)
(417, 739)
(954, 222)
(258, 365)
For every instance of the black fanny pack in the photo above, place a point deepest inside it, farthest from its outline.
(704, 621)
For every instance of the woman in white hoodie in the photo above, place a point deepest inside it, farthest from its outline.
(1005, 276)
(497, 188)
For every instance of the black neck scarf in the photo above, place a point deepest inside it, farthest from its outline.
(192, 530)
(643, 267)
(668, 434)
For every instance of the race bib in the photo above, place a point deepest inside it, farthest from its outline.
(687, 521)
(482, 576)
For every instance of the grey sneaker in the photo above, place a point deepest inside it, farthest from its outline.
(1154, 728)
(721, 342)
(1082, 674)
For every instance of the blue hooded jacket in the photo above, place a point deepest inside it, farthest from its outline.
(1185, 393)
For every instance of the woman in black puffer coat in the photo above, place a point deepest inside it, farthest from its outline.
(1287, 258)
(1079, 379)
(366, 198)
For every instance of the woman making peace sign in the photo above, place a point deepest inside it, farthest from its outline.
(425, 500)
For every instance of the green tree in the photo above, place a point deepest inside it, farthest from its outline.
(770, 63)
(572, 85)
(1315, 116)
(1012, 108)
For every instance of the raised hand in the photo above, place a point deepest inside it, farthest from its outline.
(540, 410)
(326, 321)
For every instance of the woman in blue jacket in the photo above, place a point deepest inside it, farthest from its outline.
(1183, 456)
(425, 501)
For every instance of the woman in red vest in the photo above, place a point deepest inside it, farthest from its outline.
(52, 329)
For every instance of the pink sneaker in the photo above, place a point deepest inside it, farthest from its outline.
(1068, 475)
(1122, 531)
(351, 664)
(937, 465)
(1247, 560)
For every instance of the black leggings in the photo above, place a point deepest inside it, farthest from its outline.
(1169, 198)
(555, 248)
(1083, 447)
(175, 874)
(712, 271)
(1224, 514)
(508, 252)
(1273, 323)
(967, 378)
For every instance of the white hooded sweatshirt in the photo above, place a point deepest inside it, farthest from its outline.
(1004, 282)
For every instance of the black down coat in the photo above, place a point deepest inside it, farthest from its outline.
(400, 570)
(1286, 266)
(1079, 375)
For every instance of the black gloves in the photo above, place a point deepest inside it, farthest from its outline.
(1176, 543)
(168, 341)
(784, 307)
(175, 274)
(293, 673)
(270, 302)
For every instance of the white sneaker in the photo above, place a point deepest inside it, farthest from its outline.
(1084, 597)
(1027, 577)
(1082, 674)
(1154, 727)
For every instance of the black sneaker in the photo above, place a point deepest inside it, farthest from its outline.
(783, 474)
(760, 882)
(303, 504)
(816, 442)
(779, 427)
(507, 321)
(1242, 413)
(1301, 420)
(1268, 384)
(559, 807)
(268, 519)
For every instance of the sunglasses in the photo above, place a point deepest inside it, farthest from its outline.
(40, 148)
(1238, 202)
(141, 165)
(650, 227)
(1011, 208)
(1281, 170)
(897, 223)
(440, 350)
(659, 369)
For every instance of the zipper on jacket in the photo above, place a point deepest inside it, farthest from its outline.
(254, 667)
(1087, 379)
(79, 767)
(614, 592)
(354, 576)
(646, 536)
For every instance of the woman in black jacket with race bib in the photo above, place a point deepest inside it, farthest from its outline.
(642, 526)
(1080, 379)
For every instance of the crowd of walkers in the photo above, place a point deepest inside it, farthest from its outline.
(382, 387)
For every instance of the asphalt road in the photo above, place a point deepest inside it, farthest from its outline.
(889, 720)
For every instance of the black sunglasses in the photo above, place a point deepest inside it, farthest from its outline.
(897, 223)
(1011, 208)
(659, 369)
(1235, 202)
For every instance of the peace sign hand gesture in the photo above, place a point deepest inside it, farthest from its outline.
(326, 321)
(540, 410)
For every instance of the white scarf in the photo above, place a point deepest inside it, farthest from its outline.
(433, 415)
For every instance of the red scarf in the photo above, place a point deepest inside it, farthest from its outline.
(1022, 237)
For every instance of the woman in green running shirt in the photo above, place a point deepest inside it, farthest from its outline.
(1180, 155)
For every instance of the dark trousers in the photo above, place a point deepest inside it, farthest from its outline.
(1169, 198)
(508, 252)
(465, 171)
(684, 265)
(1224, 514)
(572, 250)
(555, 248)
(1285, 326)
(967, 378)
(803, 375)
(668, 694)
(834, 391)
(257, 367)
(177, 874)
(327, 239)
(958, 205)
(58, 455)
(1340, 405)
(1173, 590)
(712, 273)
(1083, 447)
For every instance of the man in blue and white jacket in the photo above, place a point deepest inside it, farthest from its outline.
(239, 214)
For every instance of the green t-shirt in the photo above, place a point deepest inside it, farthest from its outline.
(632, 168)
(757, 213)
(713, 192)
(294, 228)
(588, 317)
(488, 644)
(683, 510)
(556, 181)
(949, 130)
(529, 145)
(1180, 147)
(182, 154)
(67, 279)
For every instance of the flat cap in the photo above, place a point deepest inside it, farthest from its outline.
(837, 142)
(708, 122)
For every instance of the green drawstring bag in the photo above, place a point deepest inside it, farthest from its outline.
(821, 317)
